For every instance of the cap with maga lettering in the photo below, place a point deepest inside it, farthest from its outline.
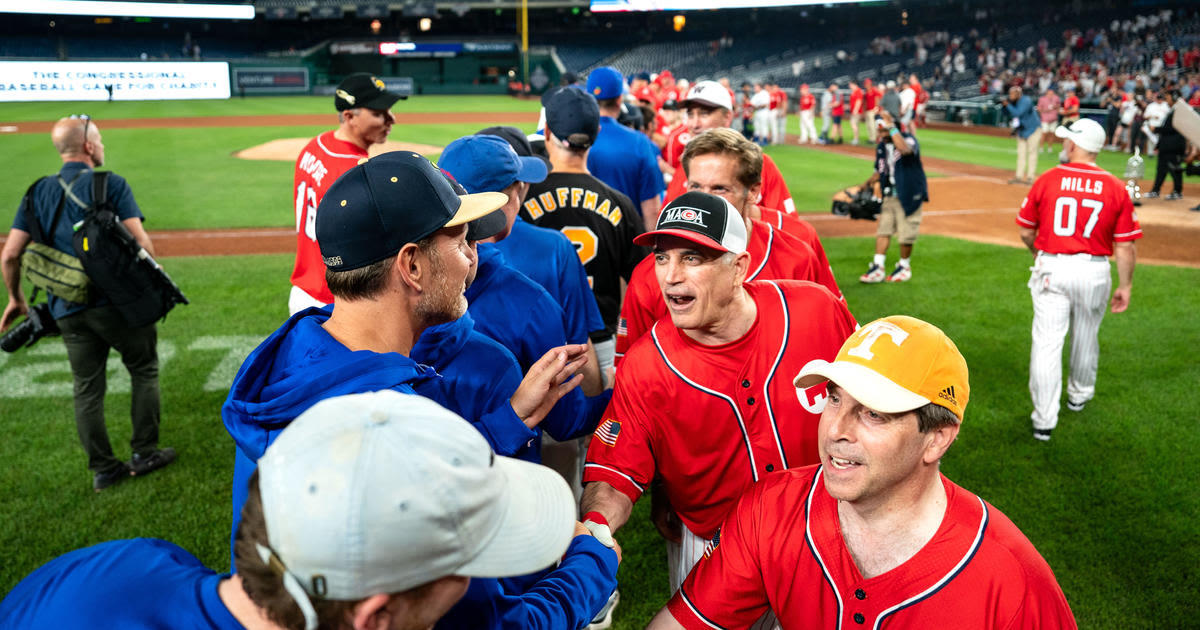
(701, 218)
(895, 365)
(385, 202)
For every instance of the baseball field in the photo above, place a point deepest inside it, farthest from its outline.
(1111, 502)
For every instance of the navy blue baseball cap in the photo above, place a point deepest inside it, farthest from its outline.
(386, 202)
(573, 116)
(605, 82)
(486, 163)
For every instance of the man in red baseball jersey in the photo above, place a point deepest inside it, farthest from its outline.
(807, 103)
(782, 246)
(701, 400)
(1075, 217)
(875, 535)
(709, 106)
(364, 111)
(856, 109)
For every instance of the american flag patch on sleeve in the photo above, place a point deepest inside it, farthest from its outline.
(623, 326)
(608, 432)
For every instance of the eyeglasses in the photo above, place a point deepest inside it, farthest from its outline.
(87, 120)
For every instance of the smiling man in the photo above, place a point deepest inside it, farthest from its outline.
(704, 400)
(875, 534)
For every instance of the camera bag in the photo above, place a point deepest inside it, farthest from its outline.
(49, 269)
(118, 266)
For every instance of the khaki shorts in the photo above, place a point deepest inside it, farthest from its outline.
(892, 221)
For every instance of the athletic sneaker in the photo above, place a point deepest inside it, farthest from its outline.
(1042, 434)
(1153, 194)
(603, 619)
(148, 463)
(103, 480)
(1075, 406)
(875, 274)
(1173, 196)
(900, 274)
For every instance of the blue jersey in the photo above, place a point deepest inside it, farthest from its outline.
(567, 596)
(143, 583)
(626, 160)
(548, 258)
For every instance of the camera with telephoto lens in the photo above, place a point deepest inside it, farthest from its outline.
(38, 323)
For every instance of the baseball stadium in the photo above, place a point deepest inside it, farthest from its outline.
(206, 115)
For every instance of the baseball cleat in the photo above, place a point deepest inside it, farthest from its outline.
(1173, 196)
(900, 274)
(1153, 194)
(875, 274)
(603, 619)
(1042, 434)
(1075, 406)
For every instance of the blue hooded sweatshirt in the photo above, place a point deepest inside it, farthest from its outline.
(297, 366)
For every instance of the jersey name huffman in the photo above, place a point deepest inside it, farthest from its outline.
(574, 197)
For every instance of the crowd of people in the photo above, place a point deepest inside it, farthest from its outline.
(490, 360)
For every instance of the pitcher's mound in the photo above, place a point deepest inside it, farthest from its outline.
(288, 149)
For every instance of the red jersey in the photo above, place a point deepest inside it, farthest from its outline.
(774, 255)
(1071, 106)
(782, 548)
(1079, 208)
(869, 99)
(856, 101)
(838, 106)
(774, 190)
(672, 151)
(803, 230)
(808, 102)
(1194, 101)
(776, 98)
(322, 161)
(712, 420)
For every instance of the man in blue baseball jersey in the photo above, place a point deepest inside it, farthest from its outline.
(621, 157)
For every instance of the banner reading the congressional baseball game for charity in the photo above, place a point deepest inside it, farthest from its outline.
(128, 80)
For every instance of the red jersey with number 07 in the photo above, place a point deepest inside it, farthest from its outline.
(713, 420)
(1079, 208)
(322, 161)
(782, 548)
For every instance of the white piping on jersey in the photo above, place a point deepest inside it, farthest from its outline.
(615, 472)
(787, 318)
(696, 612)
(331, 153)
(766, 254)
(1024, 221)
(732, 405)
(812, 546)
(1084, 170)
(937, 586)
(1123, 234)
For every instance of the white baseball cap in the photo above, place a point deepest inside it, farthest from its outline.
(381, 492)
(709, 94)
(1086, 133)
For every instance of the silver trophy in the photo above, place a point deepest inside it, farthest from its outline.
(1135, 169)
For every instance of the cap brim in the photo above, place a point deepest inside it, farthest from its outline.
(866, 385)
(486, 226)
(476, 205)
(688, 102)
(1062, 132)
(537, 525)
(646, 239)
(383, 101)
(533, 170)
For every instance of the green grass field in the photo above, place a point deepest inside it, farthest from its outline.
(1110, 502)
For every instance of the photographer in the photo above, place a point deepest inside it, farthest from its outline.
(1027, 126)
(90, 329)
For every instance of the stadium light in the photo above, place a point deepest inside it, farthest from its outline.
(129, 9)
(608, 6)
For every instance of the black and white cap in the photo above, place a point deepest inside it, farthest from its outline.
(702, 218)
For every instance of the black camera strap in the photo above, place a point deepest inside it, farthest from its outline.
(35, 226)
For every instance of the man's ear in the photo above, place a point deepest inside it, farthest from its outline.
(411, 267)
(372, 613)
(939, 441)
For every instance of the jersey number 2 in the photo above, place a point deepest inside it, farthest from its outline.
(586, 244)
(306, 210)
(1065, 210)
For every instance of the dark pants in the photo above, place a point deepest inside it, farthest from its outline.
(88, 335)
(1170, 162)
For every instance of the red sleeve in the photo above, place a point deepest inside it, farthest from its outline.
(1027, 217)
(621, 453)
(642, 307)
(775, 192)
(725, 589)
(674, 189)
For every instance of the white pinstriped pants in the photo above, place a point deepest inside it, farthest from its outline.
(1069, 292)
(683, 556)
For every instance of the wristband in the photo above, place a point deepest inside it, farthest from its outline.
(598, 526)
(893, 131)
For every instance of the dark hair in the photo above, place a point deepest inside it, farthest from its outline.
(366, 282)
(262, 584)
(931, 417)
(609, 103)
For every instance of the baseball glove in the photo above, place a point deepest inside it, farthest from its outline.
(856, 202)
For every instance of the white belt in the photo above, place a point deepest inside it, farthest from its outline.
(1085, 255)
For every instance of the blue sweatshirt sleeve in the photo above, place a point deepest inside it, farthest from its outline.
(575, 415)
(567, 597)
